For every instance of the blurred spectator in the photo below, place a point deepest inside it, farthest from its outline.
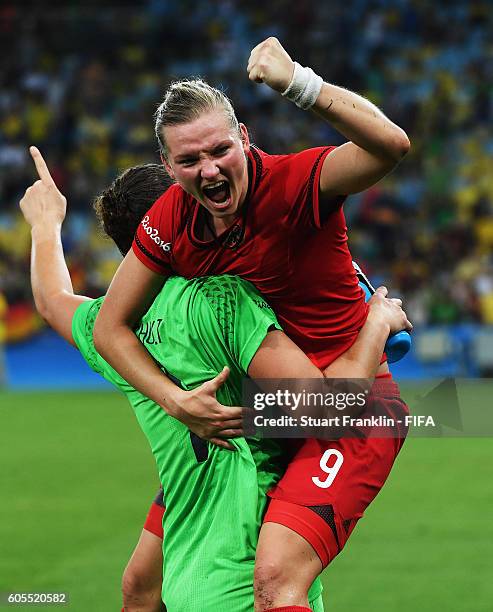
(82, 83)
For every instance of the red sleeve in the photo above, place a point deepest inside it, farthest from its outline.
(153, 240)
(301, 172)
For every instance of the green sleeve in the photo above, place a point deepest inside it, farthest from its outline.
(253, 320)
(82, 328)
(244, 318)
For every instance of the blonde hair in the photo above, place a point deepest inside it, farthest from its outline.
(185, 101)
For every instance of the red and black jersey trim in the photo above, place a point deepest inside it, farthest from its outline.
(148, 253)
(326, 207)
(259, 167)
(235, 236)
(311, 182)
(326, 512)
(159, 499)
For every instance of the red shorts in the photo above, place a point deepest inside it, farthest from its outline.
(329, 483)
(154, 520)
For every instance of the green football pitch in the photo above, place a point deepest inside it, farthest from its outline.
(77, 479)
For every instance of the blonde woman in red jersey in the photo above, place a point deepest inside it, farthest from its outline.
(278, 222)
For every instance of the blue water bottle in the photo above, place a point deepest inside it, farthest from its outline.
(397, 344)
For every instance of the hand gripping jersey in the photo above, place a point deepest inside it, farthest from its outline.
(290, 246)
(293, 248)
(215, 499)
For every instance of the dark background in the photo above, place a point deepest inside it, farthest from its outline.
(82, 83)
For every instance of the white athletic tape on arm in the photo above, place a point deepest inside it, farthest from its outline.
(304, 88)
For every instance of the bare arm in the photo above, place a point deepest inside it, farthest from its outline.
(50, 281)
(376, 144)
(375, 147)
(280, 357)
(131, 292)
(362, 359)
(44, 207)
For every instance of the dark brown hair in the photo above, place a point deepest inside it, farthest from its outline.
(121, 206)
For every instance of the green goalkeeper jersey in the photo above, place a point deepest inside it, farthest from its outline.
(214, 498)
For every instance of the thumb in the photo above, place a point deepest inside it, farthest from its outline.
(220, 379)
(382, 291)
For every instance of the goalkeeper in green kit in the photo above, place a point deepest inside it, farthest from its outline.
(215, 499)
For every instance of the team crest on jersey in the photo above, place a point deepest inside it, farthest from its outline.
(234, 237)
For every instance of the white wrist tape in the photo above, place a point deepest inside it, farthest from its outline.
(304, 88)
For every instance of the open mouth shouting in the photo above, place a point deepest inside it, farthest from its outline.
(218, 194)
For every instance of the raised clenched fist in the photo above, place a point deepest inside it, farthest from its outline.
(270, 64)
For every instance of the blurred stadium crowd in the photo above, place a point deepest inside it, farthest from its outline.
(82, 84)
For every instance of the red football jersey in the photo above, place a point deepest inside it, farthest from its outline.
(299, 261)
